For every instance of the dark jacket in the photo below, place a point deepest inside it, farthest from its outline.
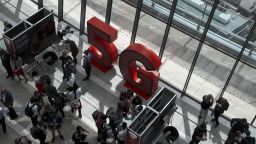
(5, 58)
(7, 98)
(207, 102)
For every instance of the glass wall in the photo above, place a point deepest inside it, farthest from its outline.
(72, 11)
(210, 73)
(98, 7)
(177, 58)
(229, 28)
(122, 18)
(241, 92)
(51, 5)
(150, 32)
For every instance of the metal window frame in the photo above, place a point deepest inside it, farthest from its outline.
(40, 4)
(108, 11)
(60, 10)
(136, 21)
(167, 29)
(82, 16)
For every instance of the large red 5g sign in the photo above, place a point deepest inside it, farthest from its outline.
(102, 36)
(141, 79)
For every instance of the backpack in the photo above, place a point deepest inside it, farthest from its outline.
(106, 131)
(28, 110)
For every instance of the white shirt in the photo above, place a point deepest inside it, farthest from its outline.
(122, 135)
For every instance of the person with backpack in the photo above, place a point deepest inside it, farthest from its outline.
(205, 105)
(107, 134)
(38, 133)
(248, 139)
(221, 106)
(7, 99)
(100, 121)
(200, 134)
(79, 135)
(238, 127)
(32, 110)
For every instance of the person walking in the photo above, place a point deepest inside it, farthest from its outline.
(6, 62)
(87, 64)
(200, 134)
(205, 105)
(221, 106)
(54, 122)
(32, 110)
(2, 120)
(7, 99)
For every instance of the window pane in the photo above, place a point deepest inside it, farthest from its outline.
(72, 12)
(177, 58)
(150, 32)
(241, 93)
(229, 27)
(122, 18)
(250, 53)
(98, 8)
(210, 73)
(51, 5)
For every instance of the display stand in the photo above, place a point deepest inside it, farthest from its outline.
(149, 124)
(31, 36)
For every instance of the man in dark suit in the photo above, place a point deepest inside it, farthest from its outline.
(5, 58)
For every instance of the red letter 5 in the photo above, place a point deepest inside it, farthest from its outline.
(102, 36)
(144, 79)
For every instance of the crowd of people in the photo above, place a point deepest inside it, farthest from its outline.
(45, 107)
(239, 132)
